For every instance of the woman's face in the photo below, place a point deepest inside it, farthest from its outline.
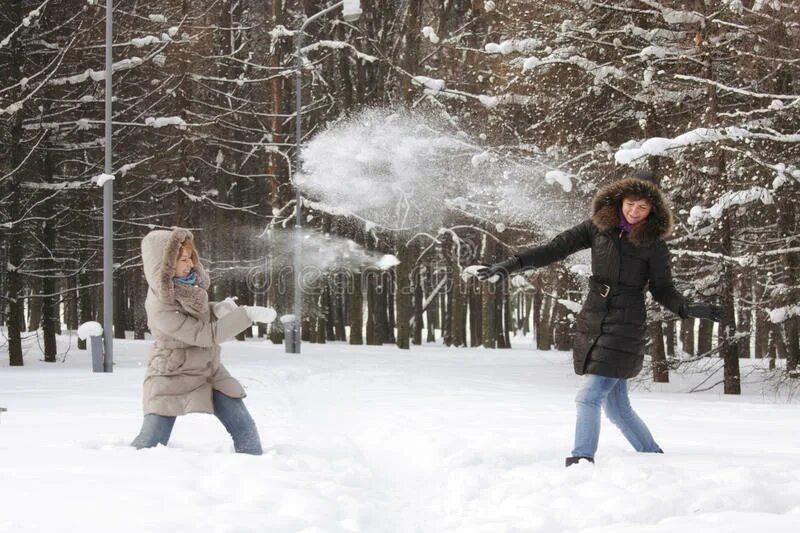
(184, 264)
(635, 209)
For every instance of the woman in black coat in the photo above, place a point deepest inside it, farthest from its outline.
(626, 234)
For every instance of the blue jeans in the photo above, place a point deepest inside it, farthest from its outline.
(156, 429)
(612, 394)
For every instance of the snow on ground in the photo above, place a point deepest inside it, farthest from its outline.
(375, 439)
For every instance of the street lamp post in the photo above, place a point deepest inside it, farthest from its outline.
(108, 207)
(351, 11)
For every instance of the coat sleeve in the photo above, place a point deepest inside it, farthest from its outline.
(563, 245)
(194, 332)
(661, 285)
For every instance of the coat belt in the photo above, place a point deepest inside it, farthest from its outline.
(605, 289)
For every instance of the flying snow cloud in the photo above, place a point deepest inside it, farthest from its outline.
(404, 170)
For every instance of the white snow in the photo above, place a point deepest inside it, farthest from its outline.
(478, 159)
(374, 439)
(141, 42)
(513, 45)
(633, 150)
(560, 177)
(158, 18)
(673, 16)
(286, 319)
(97, 75)
(488, 101)
(160, 122)
(776, 316)
(430, 34)
(698, 214)
(89, 329)
(387, 261)
(429, 83)
(571, 305)
(101, 179)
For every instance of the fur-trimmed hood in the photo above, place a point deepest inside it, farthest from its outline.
(608, 202)
(159, 251)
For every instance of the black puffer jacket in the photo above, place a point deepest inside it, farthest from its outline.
(611, 330)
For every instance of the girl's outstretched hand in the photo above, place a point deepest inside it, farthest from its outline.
(262, 315)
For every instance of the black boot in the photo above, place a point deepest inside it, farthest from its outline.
(569, 461)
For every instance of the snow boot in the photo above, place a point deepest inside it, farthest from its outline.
(575, 460)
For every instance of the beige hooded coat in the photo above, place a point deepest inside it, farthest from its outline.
(184, 365)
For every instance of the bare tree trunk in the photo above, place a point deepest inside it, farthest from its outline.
(418, 312)
(687, 336)
(51, 321)
(458, 314)
(120, 304)
(357, 310)
(404, 297)
(475, 313)
(489, 320)
(544, 330)
(669, 334)
(657, 353)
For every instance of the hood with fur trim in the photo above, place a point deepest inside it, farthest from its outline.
(159, 251)
(608, 202)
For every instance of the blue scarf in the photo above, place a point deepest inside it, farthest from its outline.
(190, 279)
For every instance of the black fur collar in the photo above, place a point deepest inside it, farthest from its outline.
(608, 201)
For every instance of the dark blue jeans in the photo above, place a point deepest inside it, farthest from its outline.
(156, 429)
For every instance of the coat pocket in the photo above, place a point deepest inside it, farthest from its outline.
(167, 361)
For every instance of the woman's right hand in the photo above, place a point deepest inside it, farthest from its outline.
(501, 270)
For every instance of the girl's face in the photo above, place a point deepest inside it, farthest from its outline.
(183, 264)
(635, 209)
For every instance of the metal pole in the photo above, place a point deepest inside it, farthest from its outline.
(108, 207)
(298, 245)
(298, 103)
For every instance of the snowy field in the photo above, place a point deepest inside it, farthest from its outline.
(374, 439)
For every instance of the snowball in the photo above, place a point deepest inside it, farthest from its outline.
(90, 329)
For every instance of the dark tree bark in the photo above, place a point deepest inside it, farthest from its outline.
(687, 336)
(660, 368)
(357, 310)
(404, 295)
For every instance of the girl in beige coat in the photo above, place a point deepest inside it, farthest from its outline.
(184, 372)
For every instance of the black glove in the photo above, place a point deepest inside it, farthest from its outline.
(499, 269)
(701, 310)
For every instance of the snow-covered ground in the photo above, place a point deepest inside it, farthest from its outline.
(375, 439)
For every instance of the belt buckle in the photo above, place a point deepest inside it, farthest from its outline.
(604, 290)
